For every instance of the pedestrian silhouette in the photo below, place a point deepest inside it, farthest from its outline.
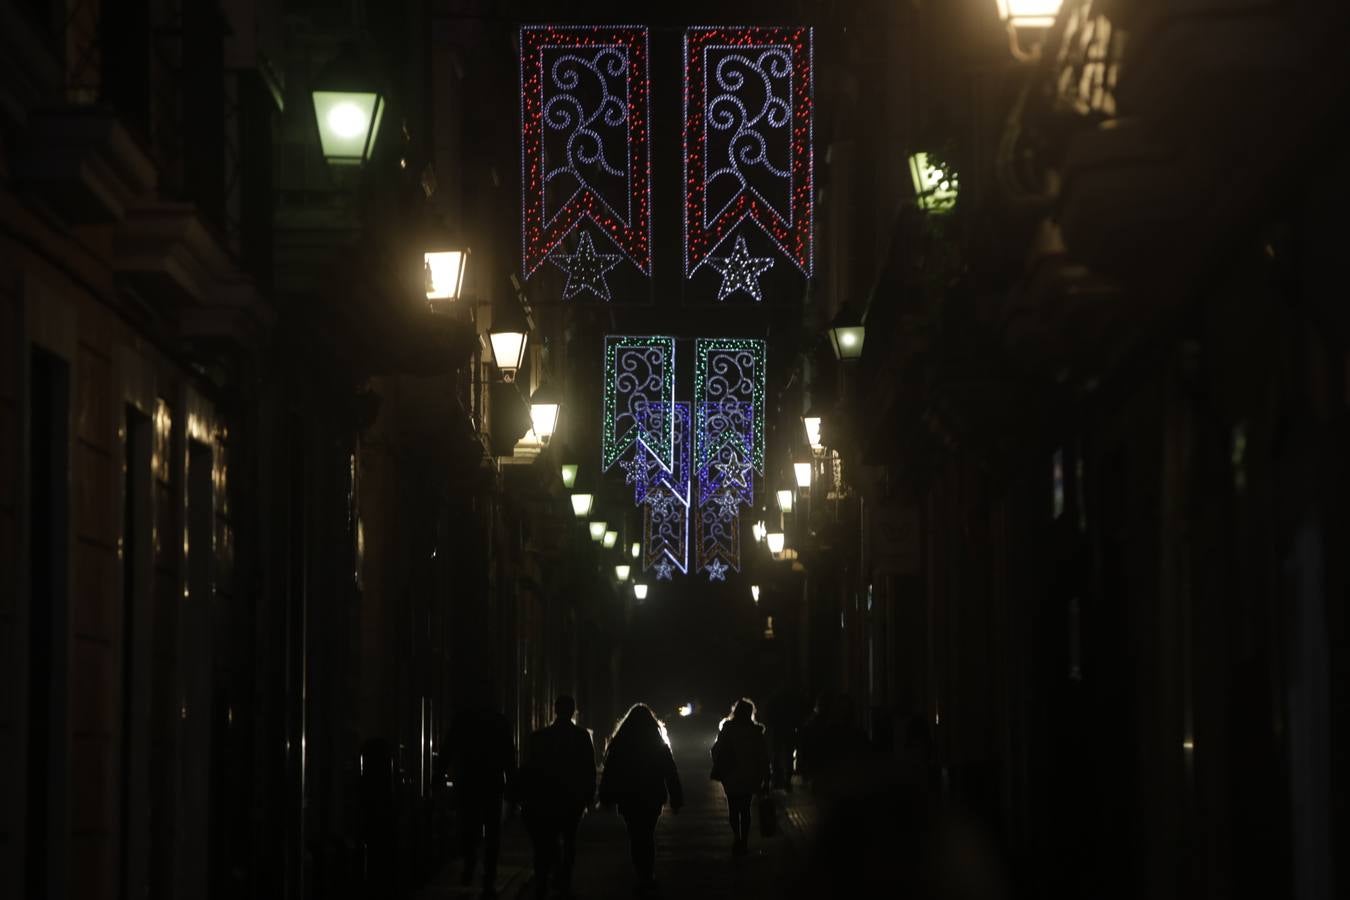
(557, 785)
(482, 760)
(638, 778)
(741, 763)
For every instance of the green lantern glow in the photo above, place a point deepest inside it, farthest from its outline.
(935, 184)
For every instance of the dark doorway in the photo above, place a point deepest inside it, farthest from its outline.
(48, 621)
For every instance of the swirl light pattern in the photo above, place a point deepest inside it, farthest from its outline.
(584, 138)
(748, 131)
(639, 372)
(729, 384)
(665, 503)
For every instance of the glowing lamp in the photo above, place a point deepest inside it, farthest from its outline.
(785, 500)
(609, 539)
(581, 504)
(569, 475)
(812, 425)
(935, 185)
(754, 592)
(776, 541)
(544, 406)
(597, 530)
(443, 274)
(847, 334)
(639, 590)
(635, 551)
(1028, 13)
(685, 710)
(803, 472)
(621, 572)
(509, 334)
(348, 107)
(758, 530)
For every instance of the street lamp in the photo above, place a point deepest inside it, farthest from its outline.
(636, 550)
(785, 500)
(803, 472)
(758, 530)
(609, 539)
(581, 504)
(776, 541)
(508, 335)
(544, 406)
(847, 334)
(443, 274)
(348, 107)
(569, 475)
(1033, 16)
(935, 183)
(811, 422)
(621, 572)
(639, 590)
(597, 530)
(754, 592)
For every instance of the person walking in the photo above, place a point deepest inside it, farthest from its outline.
(741, 763)
(557, 785)
(482, 761)
(639, 777)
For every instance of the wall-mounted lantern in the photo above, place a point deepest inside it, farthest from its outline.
(348, 107)
(443, 275)
(581, 505)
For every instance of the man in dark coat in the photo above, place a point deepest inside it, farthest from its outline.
(482, 761)
(557, 786)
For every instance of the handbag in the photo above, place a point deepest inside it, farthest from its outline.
(768, 815)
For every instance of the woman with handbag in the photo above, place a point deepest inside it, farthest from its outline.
(639, 777)
(741, 762)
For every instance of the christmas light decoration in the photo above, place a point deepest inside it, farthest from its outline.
(585, 269)
(665, 501)
(664, 570)
(717, 570)
(639, 372)
(729, 374)
(729, 379)
(748, 135)
(740, 271)
(585, 150)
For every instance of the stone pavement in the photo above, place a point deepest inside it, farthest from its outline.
(693, 848)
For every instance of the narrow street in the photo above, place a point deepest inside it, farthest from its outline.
(693, 851)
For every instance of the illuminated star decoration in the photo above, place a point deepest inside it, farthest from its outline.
(740, 271)
(733, 471)
(585, 268)
(717, 570)
(664, 570)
